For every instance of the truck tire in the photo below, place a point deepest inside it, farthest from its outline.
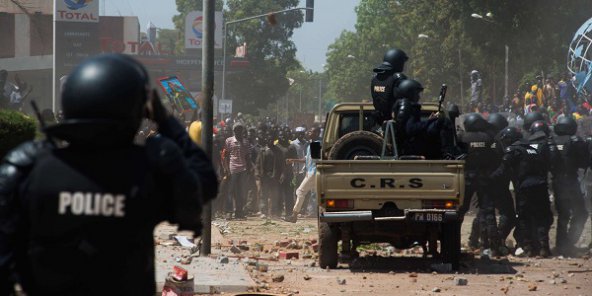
(328, 238)
(450, 243)
(356, 143)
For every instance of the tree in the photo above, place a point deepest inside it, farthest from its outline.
(270, 52)
(537, 33)
(167, 39)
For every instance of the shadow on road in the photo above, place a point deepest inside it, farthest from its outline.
(468, 265)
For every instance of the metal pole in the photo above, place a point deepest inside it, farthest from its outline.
(506, 78)
(460, 76)
(300, 108)
(207, 90)
(320, 100)
(54, 96)
(224, 63)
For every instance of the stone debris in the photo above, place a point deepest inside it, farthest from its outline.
(436, 290)
(307, 277)
(341, 281)
(532, 287)
(235, 250)
(223, 260)
(413, 274)
(461, 281)
(552, 282)
(277, 278)
(262, 267)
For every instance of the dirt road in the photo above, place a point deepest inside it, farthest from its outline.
(382, 270)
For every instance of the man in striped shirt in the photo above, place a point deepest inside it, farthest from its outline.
(237, 164)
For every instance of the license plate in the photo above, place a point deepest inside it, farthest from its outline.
(428, 217)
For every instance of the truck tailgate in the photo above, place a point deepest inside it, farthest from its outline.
(390, 179)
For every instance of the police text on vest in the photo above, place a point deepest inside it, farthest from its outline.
(92, 204)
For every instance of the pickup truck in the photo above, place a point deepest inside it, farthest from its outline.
(365, 197)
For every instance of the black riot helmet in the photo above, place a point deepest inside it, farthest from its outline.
(410, 89)
(539, 126)
(510, 135)
(566, 126)
(453, 111)
(105, 96)
(474, 122)
(530, 118)
(393, 61)
(498, 121)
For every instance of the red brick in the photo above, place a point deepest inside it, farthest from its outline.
(315, 247)
(289, 255)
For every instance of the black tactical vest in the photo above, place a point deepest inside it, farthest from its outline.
(383, 89)
(91, 219)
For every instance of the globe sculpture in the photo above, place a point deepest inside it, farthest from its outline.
(579, 58)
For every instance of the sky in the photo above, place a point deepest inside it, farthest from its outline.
(331, 17)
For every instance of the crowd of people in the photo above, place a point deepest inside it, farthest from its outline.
(261, 166)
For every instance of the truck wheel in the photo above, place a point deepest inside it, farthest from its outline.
(450, 243)
(328, 237)
(356, 143)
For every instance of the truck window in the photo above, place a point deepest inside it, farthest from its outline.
(349, 122)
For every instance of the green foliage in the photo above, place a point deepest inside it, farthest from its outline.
(168, 39)
(270, 52)
(537, 33)
(15, 128)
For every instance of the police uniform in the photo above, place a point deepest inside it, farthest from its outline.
(414, 135)
(384, 85)
(569, 200)
(480, 162)
(79, 220)
(385, 93)
(528, 163)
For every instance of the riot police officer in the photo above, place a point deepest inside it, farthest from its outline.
(413, 134)
(504, 202)
(480, 162)
(78, 219)
(529, 119)
(572, 152)
(528, 163)
(384, 85)
(500, 189)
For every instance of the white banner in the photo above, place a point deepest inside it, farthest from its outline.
(81, 11)
(194, 29)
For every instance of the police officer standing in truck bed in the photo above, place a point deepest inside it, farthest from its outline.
(384, 85)
(79, 219)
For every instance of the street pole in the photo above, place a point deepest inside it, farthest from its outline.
(320, 100)
(207, 90)
(460, 76)
(224, 62)
(300, 108)
(506, 76)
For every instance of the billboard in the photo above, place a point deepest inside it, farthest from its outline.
(194, 30)
(80, 11)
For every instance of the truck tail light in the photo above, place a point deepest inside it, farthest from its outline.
(439, 204)
(340, 203)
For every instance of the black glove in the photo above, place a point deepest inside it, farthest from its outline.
(156, 111)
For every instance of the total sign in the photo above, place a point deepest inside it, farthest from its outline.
(194, 29)
(82, 11)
